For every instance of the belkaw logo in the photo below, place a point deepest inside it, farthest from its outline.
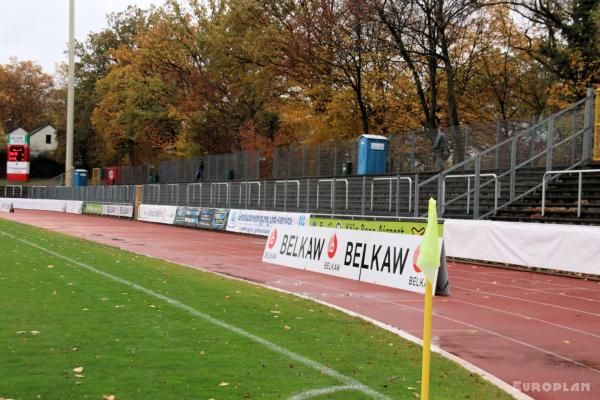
(299, 246)
(332, 246)
(272, 239)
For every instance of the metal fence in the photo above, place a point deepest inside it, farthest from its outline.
(488, 181)
(519, 162)
(239, 165)
(104, 194)
(409, 152)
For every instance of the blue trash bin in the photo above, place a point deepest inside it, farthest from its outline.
(80, 177)
(372, 154)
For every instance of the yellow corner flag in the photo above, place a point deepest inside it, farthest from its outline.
(429, 253)
(428, 261)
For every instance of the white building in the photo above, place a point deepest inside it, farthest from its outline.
(42, 140)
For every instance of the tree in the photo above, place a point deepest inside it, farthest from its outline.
(25, 92)
(564, 38)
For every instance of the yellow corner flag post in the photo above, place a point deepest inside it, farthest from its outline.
(428, 261)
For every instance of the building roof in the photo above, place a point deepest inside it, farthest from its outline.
(39, 128)
(18, 130)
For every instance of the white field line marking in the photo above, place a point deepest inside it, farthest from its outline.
(528, 301)
(318, 392)
(543, 290)
(511, 390)
(559, 285)
(442, 316)
(420, 311)
(270, 345)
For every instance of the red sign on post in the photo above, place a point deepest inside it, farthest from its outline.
(17, 162)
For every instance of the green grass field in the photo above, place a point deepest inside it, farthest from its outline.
(141, 328)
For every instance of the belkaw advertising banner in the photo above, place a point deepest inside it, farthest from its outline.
(380, 258)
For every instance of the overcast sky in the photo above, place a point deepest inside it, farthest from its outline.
(38, 30)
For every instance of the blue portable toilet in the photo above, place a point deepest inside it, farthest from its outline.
(372, 154)
(80, 177)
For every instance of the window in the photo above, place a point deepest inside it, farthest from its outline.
(48, 139)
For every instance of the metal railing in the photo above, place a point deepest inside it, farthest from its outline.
(391, 179)
(333, 194)
(218, 186)
(248, 186)
(566, 141)
(192, 186)
(468, 192)
(518, 163)
(580, 172)
(285, 183)
(13, 189)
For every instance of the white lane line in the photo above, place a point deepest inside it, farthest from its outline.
(458, 268)
(318, 392)
(439, 315)
(527, 301)
(257, 339)
(542, 290)
(525, 317)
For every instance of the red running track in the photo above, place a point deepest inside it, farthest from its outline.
(519, 326)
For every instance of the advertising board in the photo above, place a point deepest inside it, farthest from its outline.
(257, 222)
(380, 258)
(157, 213)
(118, 210)
(405, 227)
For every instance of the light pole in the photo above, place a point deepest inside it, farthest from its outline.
(70, 96)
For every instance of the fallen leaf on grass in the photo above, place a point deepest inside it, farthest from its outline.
(287, 328)
(50, 266)
(79, 376)
(275, 312)
(35, 333)
(109, 397)
(78, 370)
(223, 384)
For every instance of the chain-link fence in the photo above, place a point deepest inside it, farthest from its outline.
(409, 152)
(239, 165)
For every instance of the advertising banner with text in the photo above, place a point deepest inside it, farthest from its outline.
(380, 258)
(219, 221)
(155, 213)
(118, 210)
(406, 227)
(74, 207)
(92, 208)
(197, 217)
(257, 222)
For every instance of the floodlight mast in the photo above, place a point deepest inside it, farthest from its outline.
(70, 97)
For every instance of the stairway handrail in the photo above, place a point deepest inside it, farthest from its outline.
(579, 185)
